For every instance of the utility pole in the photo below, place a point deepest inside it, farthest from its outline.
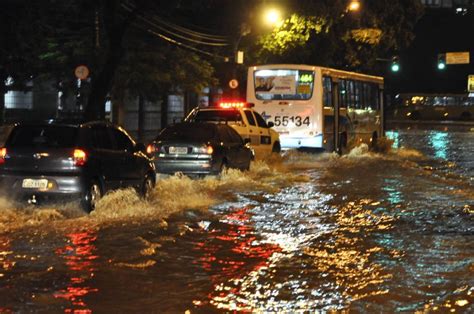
(97, 30)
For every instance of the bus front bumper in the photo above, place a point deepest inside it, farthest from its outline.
(301, 142)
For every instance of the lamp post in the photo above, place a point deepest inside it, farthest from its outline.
(271, 17)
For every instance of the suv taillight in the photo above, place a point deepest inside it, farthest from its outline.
(151, 149)
(208, 149)
(80, 157)
(3, 154)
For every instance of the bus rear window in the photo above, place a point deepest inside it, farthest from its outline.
(283, 84)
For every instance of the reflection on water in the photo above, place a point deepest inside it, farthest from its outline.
(364, 232)
(439, 141)
(79, 254)
(230, 257)
(394, 193)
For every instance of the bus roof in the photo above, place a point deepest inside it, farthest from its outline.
(324, 70)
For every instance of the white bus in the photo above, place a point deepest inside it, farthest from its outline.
(303, 100)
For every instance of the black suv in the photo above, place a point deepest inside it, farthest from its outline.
(80, 161)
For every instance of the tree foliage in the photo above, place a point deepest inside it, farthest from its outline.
(326, 33)
(110, 37)
(21, 33)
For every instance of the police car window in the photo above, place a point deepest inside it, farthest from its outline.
(260, 121)
(250, 117)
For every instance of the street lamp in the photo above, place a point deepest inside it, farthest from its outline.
(272, 17)
(354, 5)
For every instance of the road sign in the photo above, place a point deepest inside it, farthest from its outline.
(233, 83)
(239, 57)
(470, 83)
(81, 72)
(457, 57)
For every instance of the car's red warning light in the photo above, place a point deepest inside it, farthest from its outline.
(235, 104)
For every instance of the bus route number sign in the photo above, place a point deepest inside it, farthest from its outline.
(296, 120)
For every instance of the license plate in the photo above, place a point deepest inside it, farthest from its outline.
(35, 183)
(178, 150)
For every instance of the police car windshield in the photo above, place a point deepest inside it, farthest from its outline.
(217, 115)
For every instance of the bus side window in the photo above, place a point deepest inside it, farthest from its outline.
(374, 90)
(350, 94)
(358, 89)
(327, 91)
(343, 94)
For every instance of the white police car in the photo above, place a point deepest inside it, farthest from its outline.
(247, 122)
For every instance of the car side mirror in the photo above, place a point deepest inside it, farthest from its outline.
(246, 141)
(270, 124)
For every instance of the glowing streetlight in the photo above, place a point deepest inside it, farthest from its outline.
(354, 5)
(272, 17)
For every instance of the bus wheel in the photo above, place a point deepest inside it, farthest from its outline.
(276, 147)
(373, 141)
(343, 142)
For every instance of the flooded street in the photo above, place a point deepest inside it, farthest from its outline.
(366, 232)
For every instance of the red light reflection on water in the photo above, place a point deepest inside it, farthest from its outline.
(5, 251)
(5, 263)
(232, 254)
(79, 256)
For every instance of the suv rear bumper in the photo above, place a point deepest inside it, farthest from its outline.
(188, 167)
(60, 186)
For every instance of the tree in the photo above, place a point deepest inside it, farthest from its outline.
(326, 33)
(21, 33)
(52, 37)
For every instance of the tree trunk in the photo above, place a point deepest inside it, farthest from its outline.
(118, 111)
(164, 110)
(102, 82)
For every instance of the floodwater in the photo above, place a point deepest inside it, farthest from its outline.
(366, 232)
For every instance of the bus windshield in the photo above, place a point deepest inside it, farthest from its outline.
(283, 84)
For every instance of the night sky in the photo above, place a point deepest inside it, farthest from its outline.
(438, 31)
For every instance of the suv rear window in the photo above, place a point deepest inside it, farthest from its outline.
(43, 136)
(217, 115)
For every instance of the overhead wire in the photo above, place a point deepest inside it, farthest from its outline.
(130, 7)
(196, 37)
(200, 42)
(158, 31)
(180, 44)
(191, 32)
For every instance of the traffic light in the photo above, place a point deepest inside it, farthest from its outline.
(395, 64)
(441, 61)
